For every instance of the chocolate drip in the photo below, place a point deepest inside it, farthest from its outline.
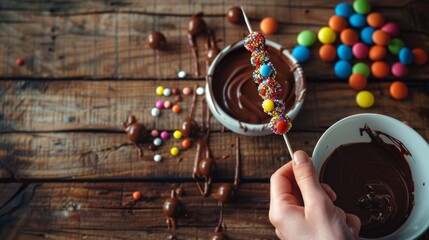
(234, 15)
(136, 132)
(156, 40)
(237, 93)
(212, 49)
(195, 26)
(373, 181)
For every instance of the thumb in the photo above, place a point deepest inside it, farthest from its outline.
(306, 178)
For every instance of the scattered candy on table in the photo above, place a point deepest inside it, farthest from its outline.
(366, 35)
(337, 23)
(326, 35)
(186, 143)
(157, 158)
(398, 90)
(375, 19)
(187, 91)
(159, 90)
(167, 104)
(165, 135)
(177, 134)
(380, 69)
(327, 52)
(391, 28)
(380, 38)
(342, 69)
(175, 91)
(358, 81)
(361, 68)
(360, 50)
(348, 37)
(344, 52)
(155, 112)
(200, 91)
(166, 92)
(137, 195)
(306, 38)
(268, 25)
(157, 142)
(181, 74)
(174, 151)
(406, 56)
(357, 20)
(365, 99)
(176, 108)
(159, 104)
(420, 56)
(361, 6)
(344, 10)
(154, 133)
(399, 69)
(301, 53)
(377, 53)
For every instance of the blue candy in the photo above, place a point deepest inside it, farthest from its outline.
(366, 35)
(406, 56)
(344, 52)
(301, 53)
(357, 20)
(343, 69)
(265, 70)
(344, 10)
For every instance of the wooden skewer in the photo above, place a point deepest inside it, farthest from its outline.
(289, 148)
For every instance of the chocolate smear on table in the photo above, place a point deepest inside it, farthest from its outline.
(373, 181)
(136, 132)
(195, 26)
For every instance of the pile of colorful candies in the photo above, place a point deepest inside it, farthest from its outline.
(268, 88)
(363, 35)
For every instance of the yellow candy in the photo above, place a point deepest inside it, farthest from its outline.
(174, 151)
(365, 99)
(268, 105)
(160, 90)
(326, 35)
(177, 134)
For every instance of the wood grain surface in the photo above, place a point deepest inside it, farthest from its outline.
(67, 169)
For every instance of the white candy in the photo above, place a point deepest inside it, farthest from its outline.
(182, 74)
(157, 158)
(157, 142)
(155, 112)
(200, 91)
(167, 92)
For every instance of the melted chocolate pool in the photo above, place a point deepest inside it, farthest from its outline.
(373, 181)
(236, 92)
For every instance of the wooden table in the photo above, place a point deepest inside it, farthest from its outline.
(67, 169)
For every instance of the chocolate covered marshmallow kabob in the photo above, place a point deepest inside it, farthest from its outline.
(268, 88)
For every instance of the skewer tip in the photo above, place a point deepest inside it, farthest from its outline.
(246, 20)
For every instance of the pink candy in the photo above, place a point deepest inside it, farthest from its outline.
(391, 28)
(154, 133)
(360, 50)
(159, 104)
(399, 69)
(165, 135)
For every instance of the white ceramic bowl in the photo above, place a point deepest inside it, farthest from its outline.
(244, 128)
(347, 131)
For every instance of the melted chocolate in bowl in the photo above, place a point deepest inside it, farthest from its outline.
(373, 181)
(237, 94)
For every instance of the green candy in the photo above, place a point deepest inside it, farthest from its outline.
(395, 46)
(361, 68)
(362, 6)
(306, 38)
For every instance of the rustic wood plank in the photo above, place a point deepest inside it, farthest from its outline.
(98, 156)
(40, 106)
(110, 42)
(101, 209)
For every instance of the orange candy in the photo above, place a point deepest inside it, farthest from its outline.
(186, 143)
(381, 38)
(137, 195)
(176, 108)
(380, 69)
(377, 53)
(358, 81)
(375, 20)
(327, 52)
(398, 90)
(349, 37)
(420, 56)
(268, 25)
(282, 126)
(337, 23)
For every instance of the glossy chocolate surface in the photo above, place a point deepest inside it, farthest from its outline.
(373, 181)
(156, 40)
(236, 92)
(234, 15)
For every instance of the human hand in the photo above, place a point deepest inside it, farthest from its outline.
(302, 208)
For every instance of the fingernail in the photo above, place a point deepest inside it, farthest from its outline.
(300, 157)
